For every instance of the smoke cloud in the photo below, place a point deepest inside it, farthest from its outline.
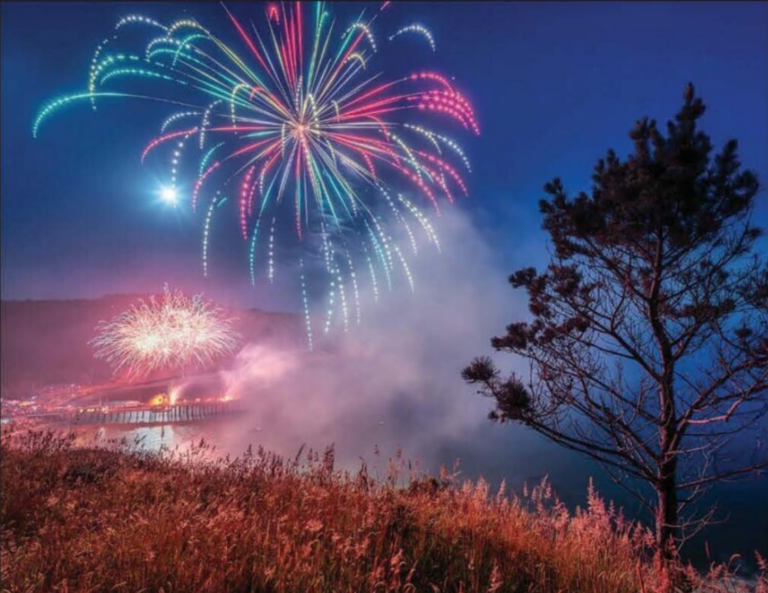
(394, 380)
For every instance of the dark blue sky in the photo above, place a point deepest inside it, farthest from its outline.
(554, 85)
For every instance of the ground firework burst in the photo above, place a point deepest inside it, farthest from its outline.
(173, 332)
(299, 131)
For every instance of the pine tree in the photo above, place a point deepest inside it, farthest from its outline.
(648, 342)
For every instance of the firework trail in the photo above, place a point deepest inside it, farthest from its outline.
(300, 132)
(175, 332)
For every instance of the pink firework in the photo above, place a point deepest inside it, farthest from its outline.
(173, 332)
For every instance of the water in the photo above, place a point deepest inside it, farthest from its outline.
(173, 436)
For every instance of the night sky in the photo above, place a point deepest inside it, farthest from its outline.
(554, 85)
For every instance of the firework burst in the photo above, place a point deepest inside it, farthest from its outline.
(175, 332)
(298, 132)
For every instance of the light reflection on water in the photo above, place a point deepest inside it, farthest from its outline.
(152, 438)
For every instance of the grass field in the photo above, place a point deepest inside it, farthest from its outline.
(124, 521)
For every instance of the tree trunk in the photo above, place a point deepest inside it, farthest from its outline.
(666, 522)
(666, 489)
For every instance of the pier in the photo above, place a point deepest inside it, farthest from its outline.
(182, 412)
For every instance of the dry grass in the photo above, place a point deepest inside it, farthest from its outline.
(115, 520)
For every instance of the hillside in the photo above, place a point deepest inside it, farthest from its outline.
(111, 520)
(46, 342)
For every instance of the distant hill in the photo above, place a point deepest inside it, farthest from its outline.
(46, 342)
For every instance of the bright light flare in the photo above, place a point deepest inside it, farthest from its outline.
(173, 395)
(169, 195)
(159, 399)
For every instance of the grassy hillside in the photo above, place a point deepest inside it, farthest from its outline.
(114, 520)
